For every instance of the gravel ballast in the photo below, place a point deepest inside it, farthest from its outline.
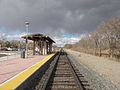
(101, 73)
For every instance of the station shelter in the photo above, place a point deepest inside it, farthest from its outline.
(42, 43)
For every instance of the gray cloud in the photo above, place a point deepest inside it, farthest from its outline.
(56, 17)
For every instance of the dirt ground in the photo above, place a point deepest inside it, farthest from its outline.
(108, 68)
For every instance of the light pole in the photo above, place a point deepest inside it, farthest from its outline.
(27, 31)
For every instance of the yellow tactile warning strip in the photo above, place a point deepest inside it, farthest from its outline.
(13, 83)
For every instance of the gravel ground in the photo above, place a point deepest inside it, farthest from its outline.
(101, 73)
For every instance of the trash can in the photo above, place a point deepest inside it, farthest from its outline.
(23, 54)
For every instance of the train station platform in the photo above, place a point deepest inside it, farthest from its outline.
(19, 74)
(12, 67)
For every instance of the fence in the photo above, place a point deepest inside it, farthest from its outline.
(12, 56)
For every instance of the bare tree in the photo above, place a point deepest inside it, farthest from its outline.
(104, 39)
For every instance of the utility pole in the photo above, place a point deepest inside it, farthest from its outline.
(27, 31)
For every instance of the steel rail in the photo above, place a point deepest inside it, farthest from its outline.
(56, 66)
(77, 80)
(51, 71)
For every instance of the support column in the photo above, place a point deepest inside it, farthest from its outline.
(45, 48)
(51, 47)
(38, 47)
(41, 47)
(34, 47)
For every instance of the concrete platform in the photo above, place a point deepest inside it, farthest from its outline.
(10, 68)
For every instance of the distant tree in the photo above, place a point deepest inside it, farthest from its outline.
(7, 44)
(14, 43)
(68, 46)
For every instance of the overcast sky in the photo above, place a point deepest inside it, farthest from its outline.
(56, 18)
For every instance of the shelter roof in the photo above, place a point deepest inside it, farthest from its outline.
(37, 36)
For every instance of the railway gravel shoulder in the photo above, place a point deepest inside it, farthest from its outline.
(62, 75)
(96, 80)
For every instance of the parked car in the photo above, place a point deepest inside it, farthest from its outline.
(3, 49)
(12, 49)
(9, 49)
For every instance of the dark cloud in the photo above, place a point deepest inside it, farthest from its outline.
(56, 17)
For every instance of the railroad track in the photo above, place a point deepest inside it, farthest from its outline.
(62, 75)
